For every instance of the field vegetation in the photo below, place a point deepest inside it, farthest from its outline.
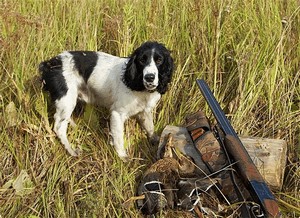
(247, 51)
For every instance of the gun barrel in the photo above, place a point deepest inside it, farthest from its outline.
(216, 109)
(247, 169)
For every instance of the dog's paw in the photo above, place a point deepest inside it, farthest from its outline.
(74, 153)
(154, 139)
(78, 151)
(123, 155)
(72, 123)
(125, 159)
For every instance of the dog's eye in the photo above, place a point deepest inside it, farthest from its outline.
(158, 61)
(143, 60)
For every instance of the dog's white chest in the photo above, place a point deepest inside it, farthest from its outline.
(132, 103)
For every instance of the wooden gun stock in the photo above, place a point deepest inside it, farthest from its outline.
(251, 176)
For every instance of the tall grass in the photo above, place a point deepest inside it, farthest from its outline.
(248, 52)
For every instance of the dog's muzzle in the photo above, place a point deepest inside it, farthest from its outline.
(149, 81)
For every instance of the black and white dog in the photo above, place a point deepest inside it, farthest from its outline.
(128, 87)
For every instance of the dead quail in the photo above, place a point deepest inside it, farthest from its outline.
(159, 184)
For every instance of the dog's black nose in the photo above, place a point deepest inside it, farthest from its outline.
(149, 77)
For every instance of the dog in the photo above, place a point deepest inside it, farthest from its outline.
(127, 86)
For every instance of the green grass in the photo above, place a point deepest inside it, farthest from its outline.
(247, 51)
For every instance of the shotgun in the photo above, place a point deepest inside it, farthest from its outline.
(250, 175)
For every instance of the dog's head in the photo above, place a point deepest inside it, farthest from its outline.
(150, 67)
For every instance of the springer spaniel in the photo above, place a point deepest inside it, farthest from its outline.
(127, 86)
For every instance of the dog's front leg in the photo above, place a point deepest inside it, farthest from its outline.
(145, 119)
(117, 121)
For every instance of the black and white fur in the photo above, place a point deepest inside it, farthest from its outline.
(128, 87)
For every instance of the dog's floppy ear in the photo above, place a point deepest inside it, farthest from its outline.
(131, 78)
(169, 64)
(165, 72)
(131, 69)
